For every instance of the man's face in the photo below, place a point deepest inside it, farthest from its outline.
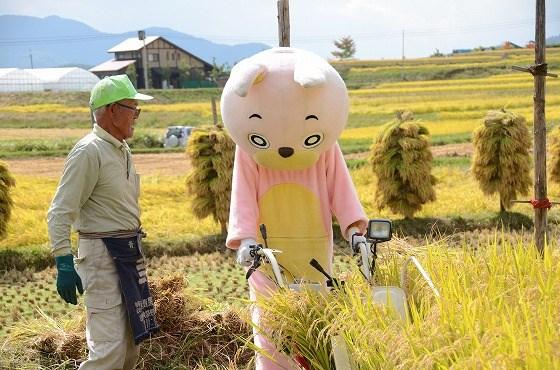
(124, 112)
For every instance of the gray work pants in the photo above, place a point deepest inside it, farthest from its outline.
(108, 334)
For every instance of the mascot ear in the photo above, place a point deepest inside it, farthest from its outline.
(307, 73)
(246, 75)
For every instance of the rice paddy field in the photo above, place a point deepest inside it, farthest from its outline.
(482, 262)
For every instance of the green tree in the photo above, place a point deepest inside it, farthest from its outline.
(132, 75)
(219, 70)
(211, 152)
(6, 203)
(346, 48)
(402, 162)
(501, 161)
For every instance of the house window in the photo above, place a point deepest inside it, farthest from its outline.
(172, 56)
(153, 57)
(167, 57)
(178, 56)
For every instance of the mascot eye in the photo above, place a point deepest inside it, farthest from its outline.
(312, 141)
(258, 141)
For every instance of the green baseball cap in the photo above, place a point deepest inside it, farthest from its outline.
(112, 89)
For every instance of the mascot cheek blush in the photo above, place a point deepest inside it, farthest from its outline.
(285, 108)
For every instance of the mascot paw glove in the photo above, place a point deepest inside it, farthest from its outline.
(244, 255)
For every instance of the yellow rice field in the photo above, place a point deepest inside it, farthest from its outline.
(166, 213)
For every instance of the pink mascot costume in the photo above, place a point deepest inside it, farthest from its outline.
(285, 108)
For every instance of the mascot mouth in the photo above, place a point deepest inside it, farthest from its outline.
(285, 152)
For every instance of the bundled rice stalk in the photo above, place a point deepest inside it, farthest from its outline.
(211, 152)
(402, 162)
(45, 341)
(6, 203)
(501, 161)
(555, 155)
(190, 333)
(191, 336)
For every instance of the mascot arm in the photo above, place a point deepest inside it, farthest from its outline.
(343, 198)
(243, 211)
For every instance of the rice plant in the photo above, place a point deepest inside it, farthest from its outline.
(402, 162)
(497, 309)
(501, 160)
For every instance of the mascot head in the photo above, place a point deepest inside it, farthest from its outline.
(284, 107)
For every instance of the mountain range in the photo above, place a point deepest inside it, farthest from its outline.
(55, 42)
(58, 42)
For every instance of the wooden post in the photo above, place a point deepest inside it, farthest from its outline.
(214, 111)
(283, 23)
(539, 128)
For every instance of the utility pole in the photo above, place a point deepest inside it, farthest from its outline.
(31, 58)
(403, 46)
(214, 111)
(539, 127)
(284, 23)
(142, 36)
(402, 66)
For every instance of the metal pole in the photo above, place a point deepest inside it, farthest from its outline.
(142, 36)
(539, 129)
(402, 68)
(284, 23)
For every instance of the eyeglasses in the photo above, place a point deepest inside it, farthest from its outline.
(136, 110)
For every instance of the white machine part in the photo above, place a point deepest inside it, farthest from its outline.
(391, 296)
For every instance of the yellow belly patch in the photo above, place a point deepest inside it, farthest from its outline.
(294, 223)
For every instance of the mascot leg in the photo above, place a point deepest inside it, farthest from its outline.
(260, 285)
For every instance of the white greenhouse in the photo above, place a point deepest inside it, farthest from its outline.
(65, 79)
(19, 80)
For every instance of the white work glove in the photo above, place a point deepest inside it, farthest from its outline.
(244, 257)
(355, 239)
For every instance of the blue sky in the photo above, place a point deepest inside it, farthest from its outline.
(375, 25)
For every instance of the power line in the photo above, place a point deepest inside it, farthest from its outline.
(425, 32)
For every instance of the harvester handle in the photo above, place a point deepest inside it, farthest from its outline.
(331, 282)
(262, 228)
(256, 264)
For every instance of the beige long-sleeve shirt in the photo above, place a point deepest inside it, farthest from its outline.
(98, 191)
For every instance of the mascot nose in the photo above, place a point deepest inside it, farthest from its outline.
(285, 152)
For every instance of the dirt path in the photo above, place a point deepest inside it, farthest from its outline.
(464, 149)
(174, 163)
(146, 164)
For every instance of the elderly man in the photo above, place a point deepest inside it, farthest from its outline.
(98, 196)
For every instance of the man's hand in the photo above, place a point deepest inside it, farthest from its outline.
(67, 279)
(244, 257)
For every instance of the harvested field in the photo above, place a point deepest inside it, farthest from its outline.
(146, 164)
